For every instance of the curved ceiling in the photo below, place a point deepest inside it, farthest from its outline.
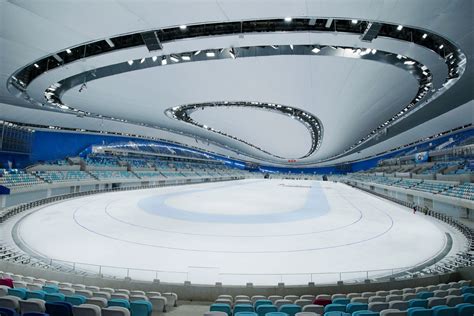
(395, 87)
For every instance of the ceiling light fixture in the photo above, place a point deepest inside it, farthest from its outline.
(291, 46)
(424, 36)
(186, 57)
(154, 58)
(197, 52)
(441, 46)
(164, 61)
(211, 54)
(130, 62)
(174, 58)
(142, 60)
(183, 27)
(315, 50)
(288, 19)
(409, 62)
(36, 65)
(232, 53)
(68, 51)
(354, 21)
(400, 27)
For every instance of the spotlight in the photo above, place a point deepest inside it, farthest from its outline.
(441, 46)
(399, 28)
(424, 36)
(288, 19)
(164, 61)
(197, 52)
(409, 62)
(186, 57)
(291, 46)
(142, 60)
(274, 47)
(68, 51)
(130, 62)
(183, 27)
(174, 58)
(154, 58)
(36, 65)
(315, 50)
(374, 51)
(354, 21)
(211, 54)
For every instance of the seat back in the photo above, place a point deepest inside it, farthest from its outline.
(10, 302)
(32, 305)
(290, 309)
(7, 311)
(262, 310)
(115, 311)
(86, 310)
(119, 302)
(59, 308)
(140, 308)
(75, 299)
(354, 307)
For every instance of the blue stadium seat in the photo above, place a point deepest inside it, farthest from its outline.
(243, 308)
(334, 308)
(418, 302)
(50, 289)
(468, 298)
(35, 314)
(354, 307)
(425, 295)
(7, 312)
(219, 307)
(54, 297)
(419, 311)
(119, 302)
(444, 311)
(59, 308)
(343, 301)
(276, 314)
(334, 313)
(465, 309)
(290, 309)
(467, 289)
(21, 293)
(140, 308)
(262, 310)
(75, 299)
(35, 294)
(365, 313)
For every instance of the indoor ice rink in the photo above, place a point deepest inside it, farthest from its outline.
(260, 231)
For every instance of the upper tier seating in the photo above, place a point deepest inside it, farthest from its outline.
(464, 191)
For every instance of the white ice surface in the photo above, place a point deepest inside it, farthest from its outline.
(215, 239)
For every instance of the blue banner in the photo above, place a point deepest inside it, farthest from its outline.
(421, 157)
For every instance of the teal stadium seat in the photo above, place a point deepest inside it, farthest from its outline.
(54, 297)
(75, 299)
(425, 295)
(336, 314)
(444, 311)
(354, 307)
(276, 314)
(262, 302)
(365, 313)
(243, 308)
(262, 310)
(246, 314)
(290, 309)
(35, 294)
(343, 301)
(119, 302)
(50, 289)
(418, 302)
(465, 309)
(467, 289)
(419, 311)
(468, 298)
(140, 308)
(334, 308)
(21, 293)
(219, 307)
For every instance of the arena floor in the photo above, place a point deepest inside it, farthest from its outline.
(260, 231)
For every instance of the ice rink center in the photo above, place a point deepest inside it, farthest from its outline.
(236, 158)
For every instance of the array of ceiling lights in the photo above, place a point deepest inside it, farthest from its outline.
(454, 58)
(314, 126)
